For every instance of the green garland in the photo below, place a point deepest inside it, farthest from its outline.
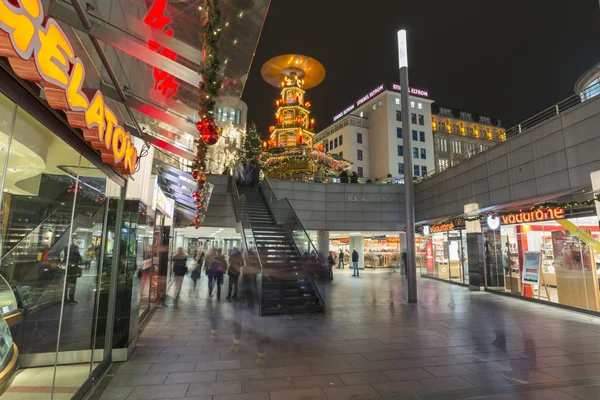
(538, 206)
(208, 89)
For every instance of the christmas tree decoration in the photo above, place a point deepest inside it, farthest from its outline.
(208, 91)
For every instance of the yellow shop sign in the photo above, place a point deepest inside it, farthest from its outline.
(39, 51)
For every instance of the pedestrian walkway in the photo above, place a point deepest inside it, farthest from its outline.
(370, 343)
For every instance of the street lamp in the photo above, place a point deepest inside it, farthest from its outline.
(411, 267)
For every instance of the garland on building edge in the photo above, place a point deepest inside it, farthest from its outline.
(538, 206)
(208, 131)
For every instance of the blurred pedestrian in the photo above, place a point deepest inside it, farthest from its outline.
(355, 262)
(180, 269)
(236, 261)
(217, 268)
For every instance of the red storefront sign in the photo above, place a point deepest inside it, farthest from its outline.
(164, 83)
(533, 216)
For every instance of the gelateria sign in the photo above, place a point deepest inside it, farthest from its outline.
(39, 51)
(521, 217)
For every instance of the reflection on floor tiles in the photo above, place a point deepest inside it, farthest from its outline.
(369, 343)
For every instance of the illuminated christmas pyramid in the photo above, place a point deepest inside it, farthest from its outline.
(293, 74)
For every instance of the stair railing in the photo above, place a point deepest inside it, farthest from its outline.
(285, 216)
(252, 256)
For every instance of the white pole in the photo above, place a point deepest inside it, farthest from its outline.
(408, 169)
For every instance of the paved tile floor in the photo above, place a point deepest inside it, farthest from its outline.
(369, 344)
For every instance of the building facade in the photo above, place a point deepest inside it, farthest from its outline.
(458, 133)
(372, 138)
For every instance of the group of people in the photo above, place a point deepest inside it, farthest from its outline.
(246, 173)
(215, 266)
(338, 259)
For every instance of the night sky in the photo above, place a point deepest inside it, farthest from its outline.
(507, 59)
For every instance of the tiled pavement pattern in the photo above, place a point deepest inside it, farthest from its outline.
(454, 344)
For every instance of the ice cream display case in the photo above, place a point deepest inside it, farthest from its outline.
(8, 356)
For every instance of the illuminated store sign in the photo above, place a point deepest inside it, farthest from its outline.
(156, 18)
(346, 111)
(493, 222)
(375, 92)
(442, 228)
(533, 216)
(371, 94)
(40, 52)
(411, 91)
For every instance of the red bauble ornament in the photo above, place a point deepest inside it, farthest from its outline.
(209, 131)
(195, 174)
(201, 181)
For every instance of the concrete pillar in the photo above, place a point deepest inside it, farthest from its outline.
(475, 251)
(358, 243)
(595, 177)
(323, 243)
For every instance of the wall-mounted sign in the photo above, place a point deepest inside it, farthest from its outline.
(39, 51)
(375, 92)
(412, 91)
(533, 216)
(532, 264)
(493, 222)
(164, 83)
(426, 230)
(162, 202)
(352, 198)
(445, 227)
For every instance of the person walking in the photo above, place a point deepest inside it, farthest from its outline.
(340, 260)
(217, 268)
(73, 272)
(236, 261)
(330, 262)
(355, 262)
(405, 263)
(179, 271)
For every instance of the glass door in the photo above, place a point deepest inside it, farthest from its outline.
(494, 270)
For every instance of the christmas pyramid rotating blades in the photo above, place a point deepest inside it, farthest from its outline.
(293, 66)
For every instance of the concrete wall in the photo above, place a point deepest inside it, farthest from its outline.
(555, 156)
(345, 207)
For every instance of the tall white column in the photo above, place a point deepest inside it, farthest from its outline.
(595, 177)
(323, 243)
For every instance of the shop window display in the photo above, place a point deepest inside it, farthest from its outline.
(443, 253)
(568, 260)
(52, 224)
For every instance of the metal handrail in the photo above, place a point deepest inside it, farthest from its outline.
(235, 195)
(521, 127)
(299, 223)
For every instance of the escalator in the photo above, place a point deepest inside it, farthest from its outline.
(287, 259)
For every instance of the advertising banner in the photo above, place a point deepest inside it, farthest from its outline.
(532, 264)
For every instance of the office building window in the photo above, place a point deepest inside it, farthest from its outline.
(442, 145)
(456, 147)
(399, 133)
(420, 106)
(417, 170)
(415, 135)
(422, 136)
(379, 103)
(335, 143)
(401, 168)
(341, 154)
(424, 154)
(358, 137)
(362, 114)
(360, 172)
(412, 104)
(331, 145)
(326, 147)
(238, 117)
(423, 170)
(421, 120)
(413, 118)
(415, 152)
(397, 101)
(398, 115)
(400, 151)
(359, 155)
(341, 140)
